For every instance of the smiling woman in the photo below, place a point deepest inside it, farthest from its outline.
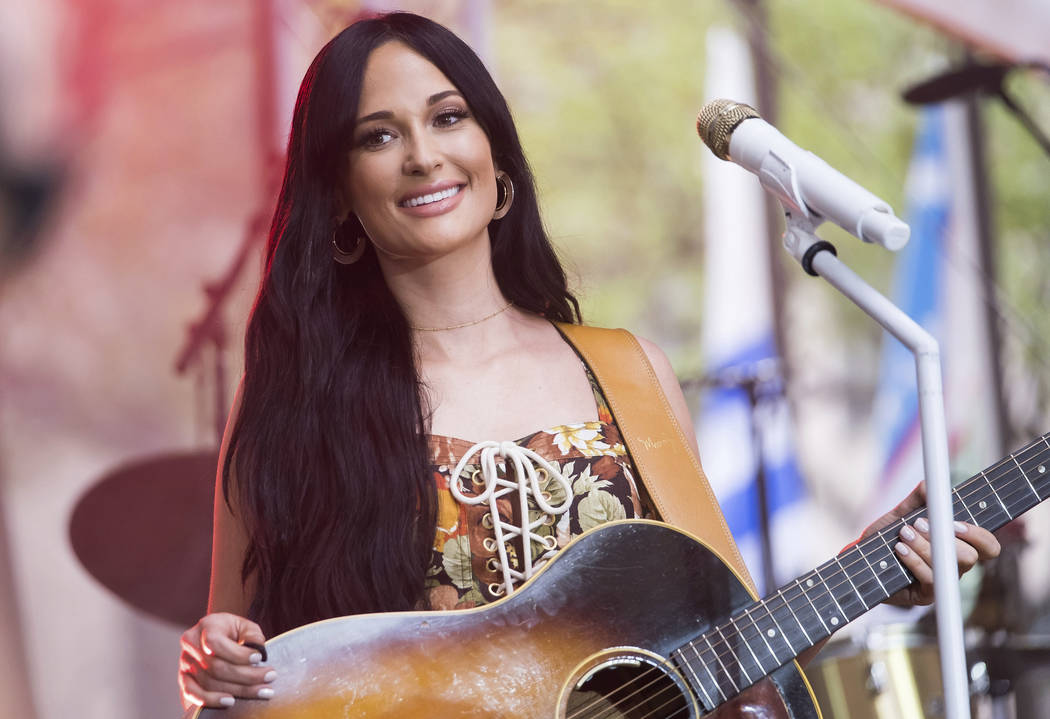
(414, 429)
(420, 176)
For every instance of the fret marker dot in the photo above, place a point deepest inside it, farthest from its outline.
(809, 582)
(834, 621)
(1041, 469)
(883, 565)
(771, 632)
(983, 505)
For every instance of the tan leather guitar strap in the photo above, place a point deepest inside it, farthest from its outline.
(670, 471)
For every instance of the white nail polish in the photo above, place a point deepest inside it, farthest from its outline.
(270, 676)
(227, 701)
(961, 527)
(902, 549)
(266, 693)
(907, 532)
(255, 658)
(922, 525)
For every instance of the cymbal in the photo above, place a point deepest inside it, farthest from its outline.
(144, 532)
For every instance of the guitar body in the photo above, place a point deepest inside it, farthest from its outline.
(593, 629)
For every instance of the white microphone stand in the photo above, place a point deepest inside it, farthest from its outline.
(818, 258)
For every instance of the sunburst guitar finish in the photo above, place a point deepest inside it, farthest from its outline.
(633, 618)
(590, 636)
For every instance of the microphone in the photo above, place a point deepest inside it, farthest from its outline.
(735, 132)
(974, 77)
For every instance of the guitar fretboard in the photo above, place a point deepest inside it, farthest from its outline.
(771, 632)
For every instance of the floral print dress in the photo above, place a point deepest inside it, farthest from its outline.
(465, 569)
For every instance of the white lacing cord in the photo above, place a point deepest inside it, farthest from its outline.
(527, 482)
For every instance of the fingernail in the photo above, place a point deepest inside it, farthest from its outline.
(255, 658)
(961, 527)
(266, 693)
(902, 548)
(270, 676)
(908, 533)
(922, 524)
(227, 701)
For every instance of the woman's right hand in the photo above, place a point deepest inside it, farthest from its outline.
(215, 667)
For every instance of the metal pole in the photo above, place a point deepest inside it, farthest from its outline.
(801, 243)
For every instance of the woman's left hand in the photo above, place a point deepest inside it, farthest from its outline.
(972, 543)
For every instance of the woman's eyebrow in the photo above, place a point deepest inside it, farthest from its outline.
(387, 115)
(438, 97)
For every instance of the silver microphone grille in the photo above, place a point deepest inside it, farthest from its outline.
(717, 120)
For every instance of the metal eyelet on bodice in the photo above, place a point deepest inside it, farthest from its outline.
(530, 477)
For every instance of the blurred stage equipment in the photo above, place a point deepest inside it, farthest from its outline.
(894, 673)
(27, 196)
(144, 532)
(975, 77)
(810, 192)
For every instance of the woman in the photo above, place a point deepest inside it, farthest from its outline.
(407, 303)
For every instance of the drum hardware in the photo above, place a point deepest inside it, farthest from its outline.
(144, 529)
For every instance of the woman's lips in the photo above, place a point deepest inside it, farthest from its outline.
(434, 202)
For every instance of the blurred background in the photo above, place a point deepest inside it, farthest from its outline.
(140, 144)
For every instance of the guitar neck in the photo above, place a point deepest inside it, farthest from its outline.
(769, 633)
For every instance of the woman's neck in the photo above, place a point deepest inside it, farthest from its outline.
(451, 300)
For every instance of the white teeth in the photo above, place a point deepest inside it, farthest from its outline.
(435, 197)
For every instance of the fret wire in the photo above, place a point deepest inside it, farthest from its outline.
(958, 497)
(787, 603)
(1042, 461)
(780, 629)
(719, 640)
(972, 487)
(896, 562)
(748, 645)
(700, 685)
(996, 493)
(850, 580)
(1019, 501)
(863, 582)
(1026, 478)
(722, 664)
(703, 663)
(733, 654)
(776, 659)
(827, 590)
(875, 574)
(811, 604)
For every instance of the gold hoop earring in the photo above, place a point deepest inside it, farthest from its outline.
(505, 199)
(342, 256)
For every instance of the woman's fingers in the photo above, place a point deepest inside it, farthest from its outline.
(228, 679)
(916, 553)
(216, 667)
(224, 638)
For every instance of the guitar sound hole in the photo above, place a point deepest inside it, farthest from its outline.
(633, 687)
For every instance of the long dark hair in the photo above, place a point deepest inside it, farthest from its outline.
(332, 469)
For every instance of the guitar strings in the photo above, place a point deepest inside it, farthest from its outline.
(1008, 499)
(990, 475)
(581, 711)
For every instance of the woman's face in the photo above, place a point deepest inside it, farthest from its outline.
(420, 173)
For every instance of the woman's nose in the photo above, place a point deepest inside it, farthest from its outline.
(422, 154)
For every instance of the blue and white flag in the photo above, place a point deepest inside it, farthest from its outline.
(937, 282)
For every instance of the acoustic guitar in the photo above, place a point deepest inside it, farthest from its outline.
(633, 618)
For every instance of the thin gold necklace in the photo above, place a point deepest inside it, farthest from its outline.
(501, 310)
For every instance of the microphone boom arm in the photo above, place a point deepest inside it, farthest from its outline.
(818, 258)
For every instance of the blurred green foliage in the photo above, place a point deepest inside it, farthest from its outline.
(605, 94)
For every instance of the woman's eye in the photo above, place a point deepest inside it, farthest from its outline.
(447, 118)
(376, 138)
